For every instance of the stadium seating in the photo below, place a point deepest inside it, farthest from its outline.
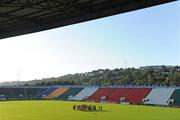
(47, 92)
(40, 92)
(101, 94)
(31, 93)
(117, 94)
(71, 92)
(159, 96)
(13, 93)
(85, 93)
(7, 93)
(176, 98)
(16, 93)
(56, 93)
(136, 95)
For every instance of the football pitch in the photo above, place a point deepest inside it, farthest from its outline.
(62, 110)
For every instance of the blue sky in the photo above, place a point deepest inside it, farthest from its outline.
(149, 36)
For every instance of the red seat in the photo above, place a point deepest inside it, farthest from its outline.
(100, 93)
(117, 94)
(136, 95)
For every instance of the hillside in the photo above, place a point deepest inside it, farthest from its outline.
(149, 75)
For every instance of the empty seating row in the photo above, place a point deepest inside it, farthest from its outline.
(101, 94)
(71, 92)
(84, 94)
(120, 95)
(117, 94)
(19, 93)
(148, 96)
(175, 98)
(136, 95)
(48, 91)
(31, 93)
(56, 93)
(159, 96)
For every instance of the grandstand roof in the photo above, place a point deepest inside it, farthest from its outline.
(19, 17)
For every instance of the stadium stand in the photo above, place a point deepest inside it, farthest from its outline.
(100, 95)
(117, 94)
(47, 92)
(6, 93)
(159, 96)
(59, 91)
(19, 93)
(175, 98)
(31, 93)
(71, 92)
(84, 94)
(136, 95)
(40, 92)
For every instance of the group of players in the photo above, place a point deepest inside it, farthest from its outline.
(87, 107)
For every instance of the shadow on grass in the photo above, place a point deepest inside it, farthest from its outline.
(95, 111)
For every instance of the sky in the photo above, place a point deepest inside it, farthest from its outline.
(144, 37)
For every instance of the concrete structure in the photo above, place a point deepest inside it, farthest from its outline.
(18, 17)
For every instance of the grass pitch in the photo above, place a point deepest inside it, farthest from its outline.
(60, 110)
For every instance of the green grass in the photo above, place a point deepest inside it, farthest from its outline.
(59, 110)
